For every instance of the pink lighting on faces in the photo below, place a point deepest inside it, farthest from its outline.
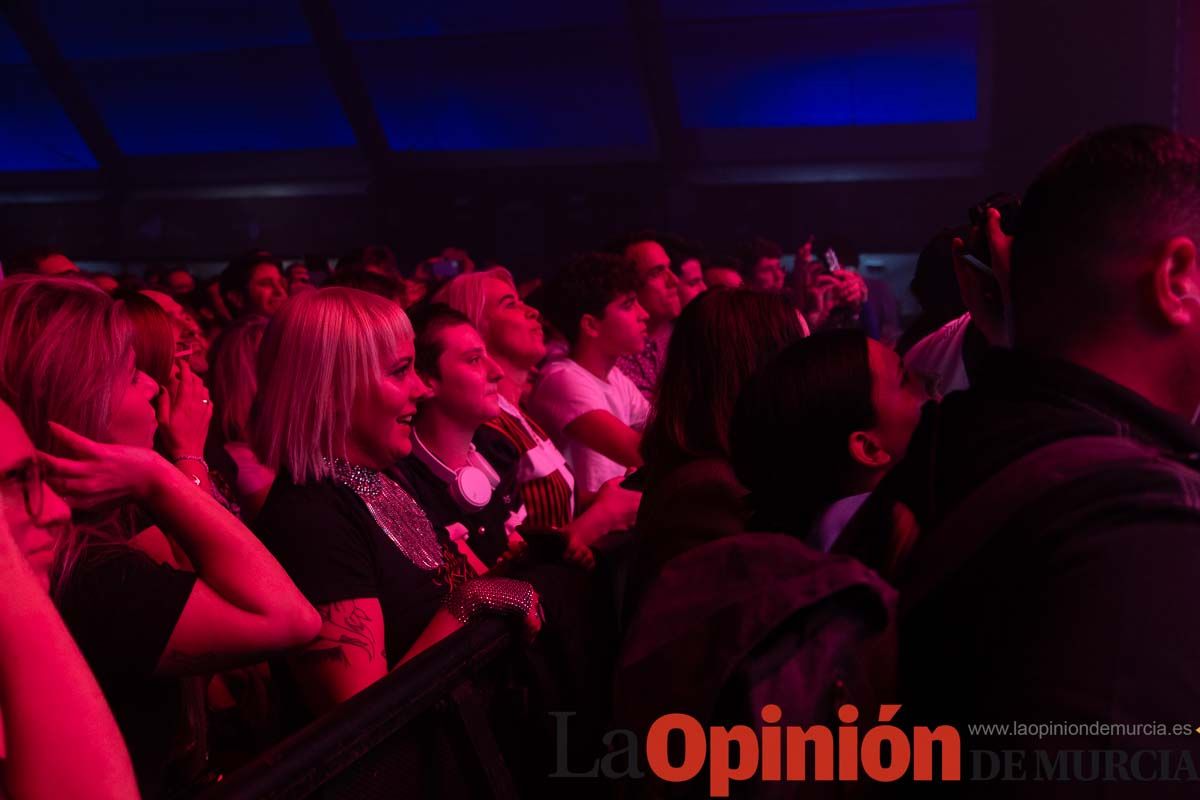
(189, 339)
(466, 388)
(659, 293)
(266, 290)
(382, 417)
(767, 275)
(622, 330)
(34, 512)
(691, 281)
(514, 329)
(897, 398)
(132, 420)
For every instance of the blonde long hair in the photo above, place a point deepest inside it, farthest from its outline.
(318, 353)
(63, 346)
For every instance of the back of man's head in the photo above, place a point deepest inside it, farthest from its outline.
(1092, 226)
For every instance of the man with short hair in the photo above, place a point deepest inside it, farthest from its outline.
(253, 284)
(762, 262)
(594, 413)
(178, 283)
(658, 294)
(1069, 595)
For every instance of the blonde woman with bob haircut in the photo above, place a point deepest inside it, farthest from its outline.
(337, 391)
(67, 368)
(513, 335)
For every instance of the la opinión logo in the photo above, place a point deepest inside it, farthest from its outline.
(775, 753)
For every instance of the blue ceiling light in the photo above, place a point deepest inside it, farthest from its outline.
(862, 69)
(468, 75)
(35, 133)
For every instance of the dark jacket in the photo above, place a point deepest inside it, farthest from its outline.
(689, 504)
(1083, 606)
(751, 619)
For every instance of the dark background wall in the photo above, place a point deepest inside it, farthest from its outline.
(1049, 70)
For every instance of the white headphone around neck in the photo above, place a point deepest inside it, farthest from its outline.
(471, 487)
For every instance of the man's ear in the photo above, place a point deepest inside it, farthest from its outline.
(866, 449)
(1175, 279)
(589, 326)
(234, 299)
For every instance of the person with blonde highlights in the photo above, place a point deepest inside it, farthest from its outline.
(67, 368)
(337, 391)
(513, 334)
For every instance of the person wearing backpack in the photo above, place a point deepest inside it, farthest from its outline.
(1057, 498)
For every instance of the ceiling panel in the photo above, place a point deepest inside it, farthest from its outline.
(369, 20)
(536, 90)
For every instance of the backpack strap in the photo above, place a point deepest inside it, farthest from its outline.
(1018, 486)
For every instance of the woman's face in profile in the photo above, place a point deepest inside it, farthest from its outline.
(132, 420)
(514, 330)
(897, 397)
(382, 418)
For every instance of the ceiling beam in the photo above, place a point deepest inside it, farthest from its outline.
(650, 42)
(31, 32)
(338, 59)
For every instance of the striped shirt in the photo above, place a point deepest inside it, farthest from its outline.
(543, 476)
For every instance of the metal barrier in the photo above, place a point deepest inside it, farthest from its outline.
(379, 742)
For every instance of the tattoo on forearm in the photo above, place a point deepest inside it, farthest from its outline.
(350, 626)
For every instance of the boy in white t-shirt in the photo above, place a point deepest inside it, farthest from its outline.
(593, 412)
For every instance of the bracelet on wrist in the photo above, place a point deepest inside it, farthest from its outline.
(177, 460)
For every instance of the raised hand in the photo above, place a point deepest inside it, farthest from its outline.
(850, 289)
(987, 296)
(184, 413)
(92, 474)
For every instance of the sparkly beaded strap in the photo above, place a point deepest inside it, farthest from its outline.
(396, 513)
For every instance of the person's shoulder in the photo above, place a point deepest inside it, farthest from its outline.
(621, 385)
(622, 382)
(933, 346)
(564, 383)
(314, 506)
(560, 370)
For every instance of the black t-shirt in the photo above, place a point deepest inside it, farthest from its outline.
(121, 607)
(486, 532)
(326, 539)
